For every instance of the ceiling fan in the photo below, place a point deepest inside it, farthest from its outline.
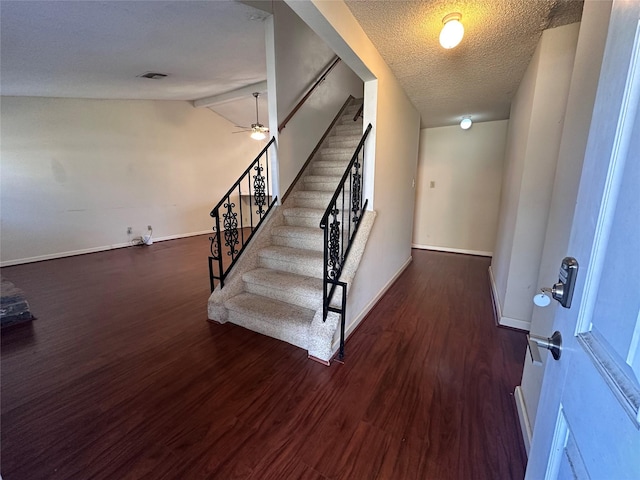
(258, 130)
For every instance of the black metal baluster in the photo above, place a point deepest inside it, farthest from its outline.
(250, 202)
(266, 165)
(258, 188)
(325, 275)
(219, 248)
(230, 228)
(241, 219)
(350, 202)
(342, 230)
(334, 245)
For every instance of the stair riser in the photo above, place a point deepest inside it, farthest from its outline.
(320, 203)
(348, 119)
(302, 221)
(337, 171)
(335, 156)
(348, 130)
(306, 301)
(310, 268)
(350, 141)
(305, 243)
(323, 187)
(295, 336)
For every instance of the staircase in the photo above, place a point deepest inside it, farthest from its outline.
(277, 288)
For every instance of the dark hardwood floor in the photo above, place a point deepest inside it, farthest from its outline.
(122, 377)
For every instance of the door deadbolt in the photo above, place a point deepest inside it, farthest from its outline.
(553, 344)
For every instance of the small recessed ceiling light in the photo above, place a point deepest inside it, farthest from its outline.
(466, 123)
(153, 75)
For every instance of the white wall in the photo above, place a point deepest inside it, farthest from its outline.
(533, 140)
(582, 92)
(393, 144)
(76, 173)
(300, 57)
(459, 212)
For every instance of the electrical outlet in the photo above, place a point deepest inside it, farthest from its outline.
(129, 230)
(149, 227)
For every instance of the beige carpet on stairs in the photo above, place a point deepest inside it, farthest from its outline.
(276, 286)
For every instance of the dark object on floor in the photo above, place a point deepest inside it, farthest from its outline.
(14, 307)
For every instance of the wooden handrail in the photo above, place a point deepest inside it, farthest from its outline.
(318, 145)
(333, 63)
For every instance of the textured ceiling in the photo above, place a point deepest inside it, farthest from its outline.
(480, 76)
(95, 49)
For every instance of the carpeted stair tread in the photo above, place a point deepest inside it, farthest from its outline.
(288, 282)
(350, 127)
(311, 198)
(324, 183)
(274, 318)
(308, 238)
(330, 164)
(298, 232)
(303, 217)
(337, 150)
(312, 194)
(335, 179)
(339, 140)
(291, 254)
(293, 260)
(303, 212)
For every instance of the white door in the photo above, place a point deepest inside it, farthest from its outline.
(588, 421)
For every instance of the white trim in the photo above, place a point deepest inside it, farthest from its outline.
(365, 311)
(559, 441)
(497, 310)
(515, 323)
(613, 180)
(73, 253)
(523, 416)
(452, 250)
(243, 92)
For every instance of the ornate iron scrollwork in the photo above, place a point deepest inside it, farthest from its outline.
(230, 228)
(334, 266)
(215, 248)
(259, 189)
(355, 192)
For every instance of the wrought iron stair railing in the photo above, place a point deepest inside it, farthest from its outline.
(235, 223)
(340, 223)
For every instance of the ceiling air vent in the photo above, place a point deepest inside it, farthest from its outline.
(153, 75)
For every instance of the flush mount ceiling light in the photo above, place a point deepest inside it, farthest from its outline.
(466, 123)
(452, 32)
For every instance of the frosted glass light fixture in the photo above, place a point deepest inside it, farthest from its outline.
(466, 123)
(452, 32)
(257, 133)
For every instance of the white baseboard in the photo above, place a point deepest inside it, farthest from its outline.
(452, 250)
(365, 311)
(523, 417)
(72, 253)
(497, 310)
